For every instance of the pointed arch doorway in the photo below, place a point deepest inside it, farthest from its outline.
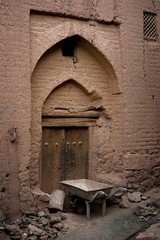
(66, 137)
(68, 95)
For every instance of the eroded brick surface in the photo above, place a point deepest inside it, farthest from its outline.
(118, 70)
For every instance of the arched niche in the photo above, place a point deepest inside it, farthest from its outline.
(90, 76)
(44, 46)
(69, 99)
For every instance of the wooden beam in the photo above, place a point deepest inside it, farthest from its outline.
(88, 114)
(68, 122)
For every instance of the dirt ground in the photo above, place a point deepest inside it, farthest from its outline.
(118, 224)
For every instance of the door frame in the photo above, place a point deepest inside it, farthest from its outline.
(71, 122)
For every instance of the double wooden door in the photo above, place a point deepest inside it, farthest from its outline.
(64, 155)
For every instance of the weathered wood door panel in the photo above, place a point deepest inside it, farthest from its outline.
(64, 155)
(52, 142)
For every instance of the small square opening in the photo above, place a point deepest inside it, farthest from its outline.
(149, 26)
(68, 47)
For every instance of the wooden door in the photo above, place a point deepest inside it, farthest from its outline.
(64, 155)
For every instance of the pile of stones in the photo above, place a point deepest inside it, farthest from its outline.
(142, 206)
(40, 226)
(151, 210)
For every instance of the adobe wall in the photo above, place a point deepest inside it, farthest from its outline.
(115, 29)
(53, 69)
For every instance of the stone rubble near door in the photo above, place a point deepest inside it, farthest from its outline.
(41, 199)
(40, 226)
(43, 225)
(146, 206)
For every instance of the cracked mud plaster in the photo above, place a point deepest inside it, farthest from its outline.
(14, 211)
(12, 134)
(101, 143)
(135, 120)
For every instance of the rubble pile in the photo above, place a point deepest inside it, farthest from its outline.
(144, 207)
(151, 210)
(40, 226)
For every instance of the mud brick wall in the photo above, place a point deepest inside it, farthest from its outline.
(128, 149)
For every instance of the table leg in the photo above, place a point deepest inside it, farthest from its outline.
(87, 210)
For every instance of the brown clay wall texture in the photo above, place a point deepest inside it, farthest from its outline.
(115, 29)
(53, 69)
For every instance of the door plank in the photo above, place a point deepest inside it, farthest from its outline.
(53, 139)
(64, 155)
(77, 153)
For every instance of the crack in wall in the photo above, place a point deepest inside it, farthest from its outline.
(115, 10)
(144, 62)
(154, 5)
(98, 109)
(59, 108)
